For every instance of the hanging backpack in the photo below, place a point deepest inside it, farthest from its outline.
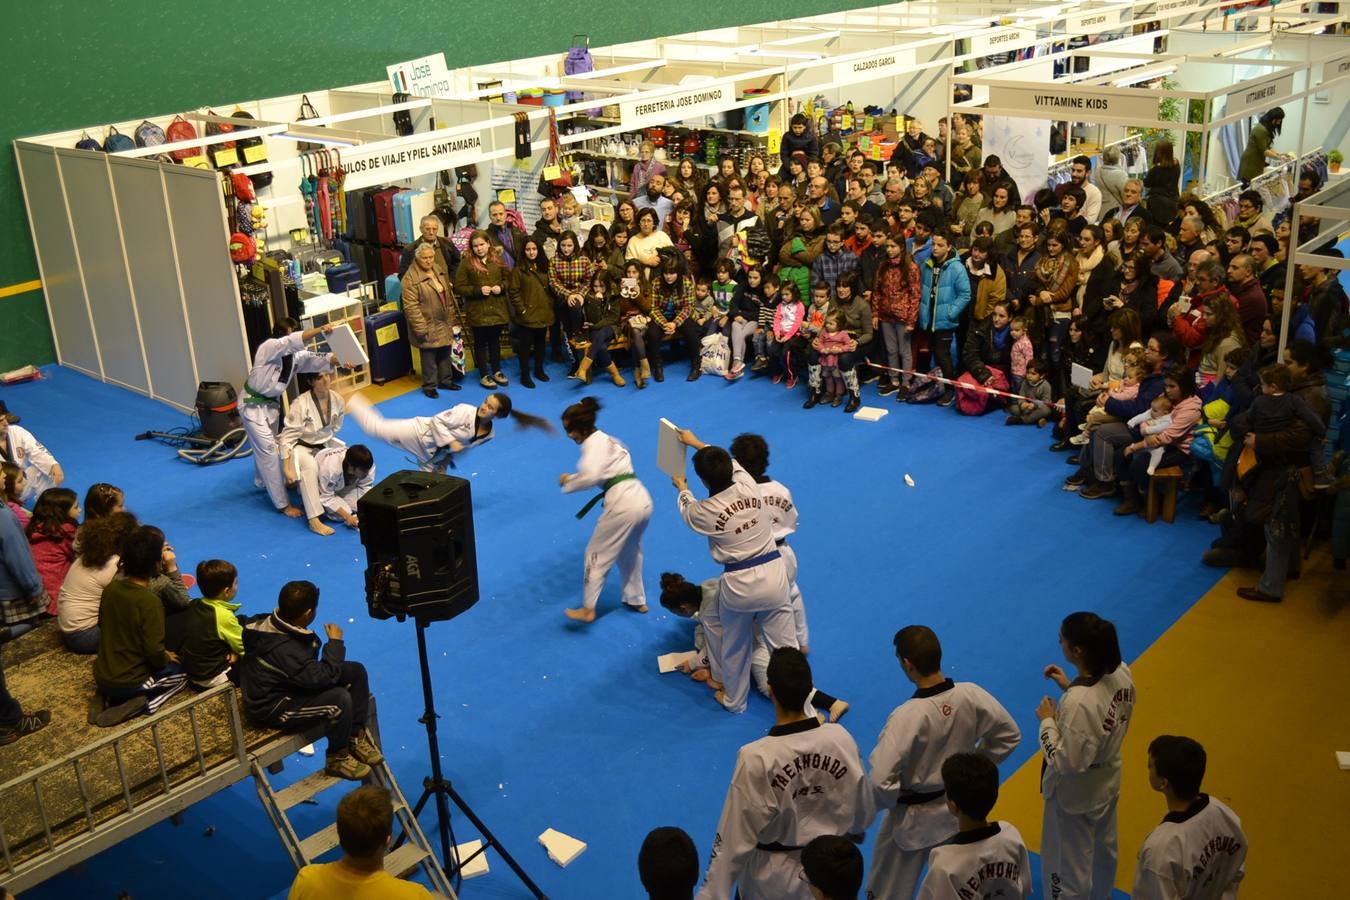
(403, 123)
(87, 143)
(260, 179)
(307, 111)
(148, 134)
(215, 128)
(577, 61)
(181, 129)
(117, 142)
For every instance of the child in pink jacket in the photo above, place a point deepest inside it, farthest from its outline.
(51, 536)
(787, 325)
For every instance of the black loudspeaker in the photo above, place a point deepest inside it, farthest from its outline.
(417, 528)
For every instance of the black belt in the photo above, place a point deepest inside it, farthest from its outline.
(780, 542)
(312, 446)
(920, 797)
(776, 847)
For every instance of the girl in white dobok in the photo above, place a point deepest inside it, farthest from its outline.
(433, 441)
(607, 465)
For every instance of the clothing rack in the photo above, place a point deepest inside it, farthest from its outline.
(1133, 142)
(1277, 171)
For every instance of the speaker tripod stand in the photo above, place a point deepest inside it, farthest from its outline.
(439, 787)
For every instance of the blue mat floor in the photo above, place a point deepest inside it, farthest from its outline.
(547, 724)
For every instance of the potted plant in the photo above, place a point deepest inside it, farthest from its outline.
(1334, 160)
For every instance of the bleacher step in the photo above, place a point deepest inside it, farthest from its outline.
(316, 845)
(306, 788)
(403, 860)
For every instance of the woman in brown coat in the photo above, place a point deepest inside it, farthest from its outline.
(482, 282)
(429, 307)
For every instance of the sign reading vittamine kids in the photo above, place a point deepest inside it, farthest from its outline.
(371, 164)
(1066, 103)
(676, 106)
(1257, 96)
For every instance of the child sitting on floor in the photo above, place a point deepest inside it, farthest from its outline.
(213, 638)
(831, 342)
(289, 682)
(1022, 352)
(51, 538)
(14, 484)
(1155, 420)
(1034, 405)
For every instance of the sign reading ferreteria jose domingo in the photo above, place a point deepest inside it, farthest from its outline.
(676, 106)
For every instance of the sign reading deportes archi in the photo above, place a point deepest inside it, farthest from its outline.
(372, 164)
(869, 68)
(1052, 102)
(668, 108)
(1260, 95)
(1092, 21)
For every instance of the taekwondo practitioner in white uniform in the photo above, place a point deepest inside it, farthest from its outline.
(983, 859)
(275, 363)
(312, 424)
(617, 540)
(804, 780)
(432, 442)
(699, 603)
(20, 448)
(1199, 851)
(331, 483)
(752, 452)
(754, 585)
(1080, 747)
(943, 717)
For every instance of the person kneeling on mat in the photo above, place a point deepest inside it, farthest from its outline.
(332, 481)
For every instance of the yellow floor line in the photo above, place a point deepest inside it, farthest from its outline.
(1263, 687)
(23, 287)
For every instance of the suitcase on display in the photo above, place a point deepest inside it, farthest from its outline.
(387, 345)
(403, 220)
(358, 228)
(342, 277)
(389, 260)
(422, 203)
(385, 233)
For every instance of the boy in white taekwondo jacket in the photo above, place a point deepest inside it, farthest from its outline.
(803, 780)
(312, 423)
(1199, 850)
(40, 468)
(905, 769)
(332, 481)
(754, 584)
(983, 859)
(1080, 746)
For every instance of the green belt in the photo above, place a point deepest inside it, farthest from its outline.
(255, 397)
(603, 489)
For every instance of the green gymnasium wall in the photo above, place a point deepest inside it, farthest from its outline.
(68, 64)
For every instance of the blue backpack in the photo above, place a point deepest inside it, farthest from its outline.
(148, 134)
(87, 143)
(116, 142)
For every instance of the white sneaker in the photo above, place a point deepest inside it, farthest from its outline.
(1079, 440)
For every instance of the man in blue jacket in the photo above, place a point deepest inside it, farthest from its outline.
(944, 293)
(289, 683)
(18, 581)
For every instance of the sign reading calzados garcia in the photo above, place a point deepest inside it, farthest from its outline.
(872, 68)
(374, 164)
(1060, 103)
(675, 107)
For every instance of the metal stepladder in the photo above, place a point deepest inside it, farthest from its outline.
(413, 850)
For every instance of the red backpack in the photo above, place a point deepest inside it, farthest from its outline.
(181, 129)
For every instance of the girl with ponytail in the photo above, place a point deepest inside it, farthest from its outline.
(617, 539)
(1080, 746)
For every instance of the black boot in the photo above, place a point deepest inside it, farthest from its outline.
(658, 369)
(813, 397)
(525, 380)
(1130, 505)
(854, 401)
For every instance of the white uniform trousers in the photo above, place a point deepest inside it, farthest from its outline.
(617, 539)
(308, 470)
(262, 423)
(733, 643)
(1078, 853)
(895, 873)
(405, 434)
(798, 605)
